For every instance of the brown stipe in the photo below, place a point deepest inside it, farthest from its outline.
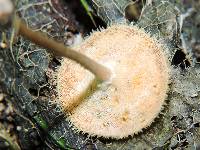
(6, 11)
(102, 72)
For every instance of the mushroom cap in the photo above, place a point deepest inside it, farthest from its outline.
(136, 93)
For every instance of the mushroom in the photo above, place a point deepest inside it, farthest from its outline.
(135, 73)
(133, 97)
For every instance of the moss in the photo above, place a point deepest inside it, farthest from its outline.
(41, 122)
(61, 142)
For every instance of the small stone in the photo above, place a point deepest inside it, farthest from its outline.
(3, 45)
(19, 128)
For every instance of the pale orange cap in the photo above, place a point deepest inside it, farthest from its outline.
(135, 95)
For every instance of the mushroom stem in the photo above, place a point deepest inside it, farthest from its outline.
(102, 72)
